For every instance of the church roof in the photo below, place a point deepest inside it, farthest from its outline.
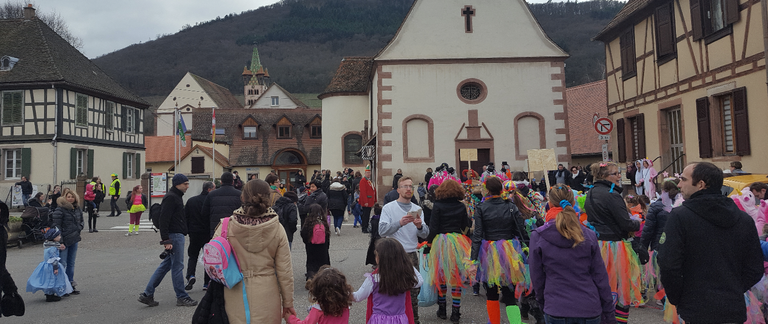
(584, 101)
(246, 71)
(219, 95)
(352, 77)
(45, 57)
(633, 8)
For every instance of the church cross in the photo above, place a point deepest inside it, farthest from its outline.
(468, 12)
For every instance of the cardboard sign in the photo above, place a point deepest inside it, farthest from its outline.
(542, 160)
(468, 154)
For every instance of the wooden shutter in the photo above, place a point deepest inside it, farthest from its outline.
(621, 140)
(696, 20)
(136, 121)
(125, 165)
(123, 126)
(628, 59)
(198, 164)
(640, 119)
(732, 13)
(13, 107)
(665, 30)
(73, 163)
(741, 121)
(90, 164)
(138, 165)
(702, 123)
(26, 161)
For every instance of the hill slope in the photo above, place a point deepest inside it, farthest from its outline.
(301, 42)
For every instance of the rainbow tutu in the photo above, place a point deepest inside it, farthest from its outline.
(450, 262)
(502, 263)
(624, 271)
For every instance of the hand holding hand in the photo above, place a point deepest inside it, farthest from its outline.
(472, 271)
(62, 247)
(288, 311)
(56, 272)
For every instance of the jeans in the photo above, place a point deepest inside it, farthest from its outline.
(25, 199)
(338, 217)
(173, 263)
(571, 320)
(68, 257)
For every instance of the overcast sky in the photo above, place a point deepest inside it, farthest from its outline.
(109, 25)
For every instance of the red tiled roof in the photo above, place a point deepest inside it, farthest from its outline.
(583, 102)
(160, 148)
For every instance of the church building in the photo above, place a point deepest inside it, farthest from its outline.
(457, 75)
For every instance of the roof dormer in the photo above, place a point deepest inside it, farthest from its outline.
(7, 63)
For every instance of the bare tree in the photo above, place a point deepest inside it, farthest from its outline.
(15, 10)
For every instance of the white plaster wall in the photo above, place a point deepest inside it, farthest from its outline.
(164, 123)
(186, 95)
(265, 101)
(341, 114)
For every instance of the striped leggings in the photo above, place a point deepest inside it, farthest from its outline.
(455, 295)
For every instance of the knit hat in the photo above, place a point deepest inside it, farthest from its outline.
(52, 233)
(292, 196)
(179, 179)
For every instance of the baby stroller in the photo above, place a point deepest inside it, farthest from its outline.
(34, 223)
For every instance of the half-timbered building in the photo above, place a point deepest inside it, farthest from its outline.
(686, 81)
(62, 116)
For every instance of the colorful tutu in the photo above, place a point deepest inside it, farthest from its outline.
(502, 263)
(136, 209)
(651, 272)
(624, 271)
(449, 258)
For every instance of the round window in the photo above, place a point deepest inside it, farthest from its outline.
(472, 91)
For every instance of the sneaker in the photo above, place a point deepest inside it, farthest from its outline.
(190, 283)
(95, 230)
(338, 231)
(148, 300)
(128, 234)
(52, 298)
(136, 232)
(186, 301)
(205, 287)
(74, 291)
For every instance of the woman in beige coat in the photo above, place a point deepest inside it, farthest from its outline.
(261, 247)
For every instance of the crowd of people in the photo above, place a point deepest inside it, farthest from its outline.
(579, 251)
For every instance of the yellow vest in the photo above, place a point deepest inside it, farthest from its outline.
(112, 188)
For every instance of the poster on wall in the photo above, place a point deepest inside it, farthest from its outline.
(159, 184)
(16, 197)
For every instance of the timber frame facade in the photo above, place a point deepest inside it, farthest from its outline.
(60, 116)
(686, 81)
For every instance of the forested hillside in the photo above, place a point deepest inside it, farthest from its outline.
(301, 42)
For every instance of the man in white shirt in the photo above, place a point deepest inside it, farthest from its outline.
(404, 221)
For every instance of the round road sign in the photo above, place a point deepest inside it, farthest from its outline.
(603, 126)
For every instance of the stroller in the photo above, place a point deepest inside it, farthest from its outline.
(35, 221)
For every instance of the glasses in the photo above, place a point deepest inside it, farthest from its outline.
(407, 187)
(613, 173)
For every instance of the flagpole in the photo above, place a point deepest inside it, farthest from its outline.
(213, 169)
(175, 142)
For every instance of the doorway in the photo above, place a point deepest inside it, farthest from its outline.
(483, 158)
(673, 149)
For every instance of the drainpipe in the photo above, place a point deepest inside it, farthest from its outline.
(55, 134)
(764, 11)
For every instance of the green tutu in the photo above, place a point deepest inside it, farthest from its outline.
(137, 209)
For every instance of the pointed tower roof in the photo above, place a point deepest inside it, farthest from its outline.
(266, 73)
(255, 61)
(246, 71)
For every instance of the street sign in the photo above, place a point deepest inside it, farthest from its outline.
(605, 152)
(603, 126)
(604, 137)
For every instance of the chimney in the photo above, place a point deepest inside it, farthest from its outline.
(29, 12)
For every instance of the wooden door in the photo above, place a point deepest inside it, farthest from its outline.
(483, 158)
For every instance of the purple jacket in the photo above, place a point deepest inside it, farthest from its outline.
(569, 282)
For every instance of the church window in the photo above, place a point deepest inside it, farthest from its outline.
(352, 144)
(13, 107)
(472, 91)
(81, 110)
(249, 132)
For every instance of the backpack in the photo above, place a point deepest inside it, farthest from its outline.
(219, 259)
(318, 234)
(154, 216)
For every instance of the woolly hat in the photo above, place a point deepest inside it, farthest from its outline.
(52, 233)
(179, 179)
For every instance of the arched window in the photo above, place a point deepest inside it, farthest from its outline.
(352, 145)
(418, 139)
(288, 158)
(529, 134)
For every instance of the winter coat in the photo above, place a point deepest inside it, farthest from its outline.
(337, 196)
(655, 221)
(355, 183)
(396, 179)
(288, 214)
(496, 219)
(274, 195)
(221, 203)
(317, 197)
(196, 222)
(211, 310)
(69, 219)
(326, 184)
(569, 281)
(448, 216)
(265, 261)
(608, 213)
(367, 193)
(577, 182)
(709, 256)
(427, 177)
(89, 194)
(7, 286)
(172, 217)
(301, 180)
(26, 187)
(631, 171)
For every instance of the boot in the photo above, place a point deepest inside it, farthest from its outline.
(513, 314)
(494, 312)
(441, 312)
(455, 315)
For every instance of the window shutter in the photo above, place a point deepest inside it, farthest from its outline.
(741, 121)
(26, 161)
(621, 140)
(628, 60)
(123, 126)
(18, 107)
(73, 163)
(125, 165)
(696, 19)
(138, 166)
(136, 121)
(665, 31)
(702, 123)
(90, 164)
(732, 13)
(641, 136)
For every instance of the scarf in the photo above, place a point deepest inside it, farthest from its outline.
(552, 213)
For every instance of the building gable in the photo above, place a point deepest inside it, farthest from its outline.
(285, 100)
(188, 92)
(451, 29)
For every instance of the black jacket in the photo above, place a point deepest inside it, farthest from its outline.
(26, 187)
(69, 219)
(317, 197)
(337, 196)
(608, 213)
(448, 216)
(496, 219)
(576, 183)
(301, 180)
(427, 177)
(220, 203)
(7, 285)
(288, 214)
(654, 225)
(196, 222)
(211, 310)
(709, 256)
(129, 201)
(396, 179)
(172, 217)
(326, 184)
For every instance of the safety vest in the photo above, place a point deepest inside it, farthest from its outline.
(112, 188)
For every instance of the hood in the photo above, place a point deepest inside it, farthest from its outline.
(282, 202)
(63, 203)
(337, 186)
(713, 207)
(610, 185)
(549, 233)
(256, 238)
